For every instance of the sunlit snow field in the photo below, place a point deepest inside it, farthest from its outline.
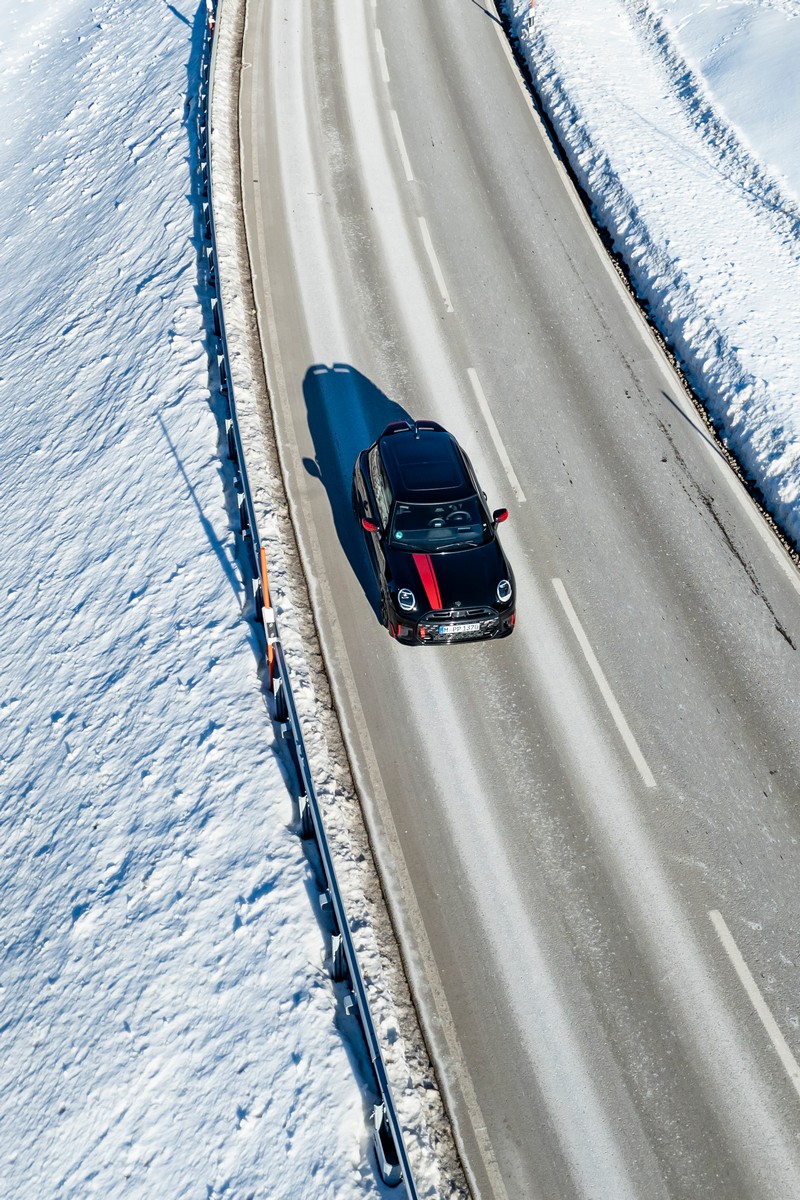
(748, 53)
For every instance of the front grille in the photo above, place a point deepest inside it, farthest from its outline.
(446, 616)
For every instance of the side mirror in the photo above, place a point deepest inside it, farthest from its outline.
(500, 514)
(368, 525)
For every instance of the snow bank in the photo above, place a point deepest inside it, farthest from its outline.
(708, 225)
(167, 1025)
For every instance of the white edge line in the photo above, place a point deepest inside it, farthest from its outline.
(483, 405)
(401, 146)
(437, 270)
(602, 683)
(756, 999)
(382, 56)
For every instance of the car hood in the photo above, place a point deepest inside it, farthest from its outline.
(458, 578)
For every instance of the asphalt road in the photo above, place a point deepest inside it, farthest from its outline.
(589, 832)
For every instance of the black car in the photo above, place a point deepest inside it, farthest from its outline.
(441, 570)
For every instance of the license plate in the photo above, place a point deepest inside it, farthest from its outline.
(445, 630)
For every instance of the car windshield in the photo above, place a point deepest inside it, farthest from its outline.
(427, 527)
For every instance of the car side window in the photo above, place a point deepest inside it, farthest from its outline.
(380, 486)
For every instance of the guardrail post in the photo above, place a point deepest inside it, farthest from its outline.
(385, 1150)
(339, 968)
(222, 375)
(306, 818)
(280, 709)
(233, 453)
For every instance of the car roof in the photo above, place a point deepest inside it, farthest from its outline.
(425, 466)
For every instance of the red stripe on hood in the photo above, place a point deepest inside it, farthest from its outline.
(430, 583)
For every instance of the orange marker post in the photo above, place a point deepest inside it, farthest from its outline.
(266, 611)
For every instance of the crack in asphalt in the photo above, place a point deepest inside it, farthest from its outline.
(708, 503)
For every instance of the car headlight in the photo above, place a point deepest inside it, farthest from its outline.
(405, 599)
(503, 591)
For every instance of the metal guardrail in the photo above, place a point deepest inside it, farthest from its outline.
(387, 1133)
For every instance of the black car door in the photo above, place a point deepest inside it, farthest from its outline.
(382, 493)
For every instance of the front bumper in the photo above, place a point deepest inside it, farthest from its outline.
(445, 628)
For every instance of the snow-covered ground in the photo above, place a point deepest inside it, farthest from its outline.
(166, 1024)
(681, 122)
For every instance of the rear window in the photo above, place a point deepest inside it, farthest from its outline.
(439, 470)
(425, 466)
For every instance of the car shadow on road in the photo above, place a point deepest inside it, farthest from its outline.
(346, 412)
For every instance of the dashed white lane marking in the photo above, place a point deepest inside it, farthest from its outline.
(401, 146)
(381, 56)
(495, 434)
(603, 684)
(756, 999)
(437, 270)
